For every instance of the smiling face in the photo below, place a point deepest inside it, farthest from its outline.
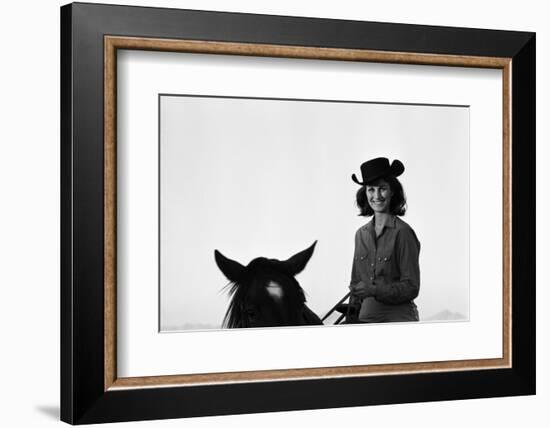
(379, 196)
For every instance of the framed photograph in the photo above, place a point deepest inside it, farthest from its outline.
(320, 213)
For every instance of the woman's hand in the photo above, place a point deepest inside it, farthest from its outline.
(362, 290)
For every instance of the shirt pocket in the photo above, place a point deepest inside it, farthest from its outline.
(360, 261)
(361, 256)
(383, 264)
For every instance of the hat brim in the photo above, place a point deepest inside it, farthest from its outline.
(354, 178)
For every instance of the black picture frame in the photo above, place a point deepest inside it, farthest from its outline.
(83, 395)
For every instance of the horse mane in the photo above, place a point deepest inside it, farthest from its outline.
(232, 317)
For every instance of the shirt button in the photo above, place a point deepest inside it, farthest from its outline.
(372, 278)
(379, 258)
(385, 259)
(372, 264)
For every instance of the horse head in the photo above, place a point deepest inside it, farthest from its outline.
(265, 293)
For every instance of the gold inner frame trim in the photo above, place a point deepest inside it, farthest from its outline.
(113, 43)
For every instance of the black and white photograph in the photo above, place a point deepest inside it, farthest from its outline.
(232, 213)
(273, 200)
(309, 212)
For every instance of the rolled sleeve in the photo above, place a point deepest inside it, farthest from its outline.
(355, 277)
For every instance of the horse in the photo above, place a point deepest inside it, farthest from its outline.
(265, 293)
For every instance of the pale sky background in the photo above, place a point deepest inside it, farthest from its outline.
(257, 177)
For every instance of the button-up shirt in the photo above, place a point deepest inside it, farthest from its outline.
(391, 263)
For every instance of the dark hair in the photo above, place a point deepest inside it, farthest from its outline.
(398, 203)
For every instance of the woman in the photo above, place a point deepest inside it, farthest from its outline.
(385, 277)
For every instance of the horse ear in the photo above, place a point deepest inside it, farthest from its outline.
(231, 269)
(298, 262)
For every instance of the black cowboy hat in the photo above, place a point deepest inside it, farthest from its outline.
(377, 168)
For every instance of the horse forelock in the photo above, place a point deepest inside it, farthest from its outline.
(263, 282)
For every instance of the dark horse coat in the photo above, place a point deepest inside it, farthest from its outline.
(265, 293)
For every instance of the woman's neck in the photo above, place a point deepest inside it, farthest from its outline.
(381, 218)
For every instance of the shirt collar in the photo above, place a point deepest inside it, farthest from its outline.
(390, 222)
